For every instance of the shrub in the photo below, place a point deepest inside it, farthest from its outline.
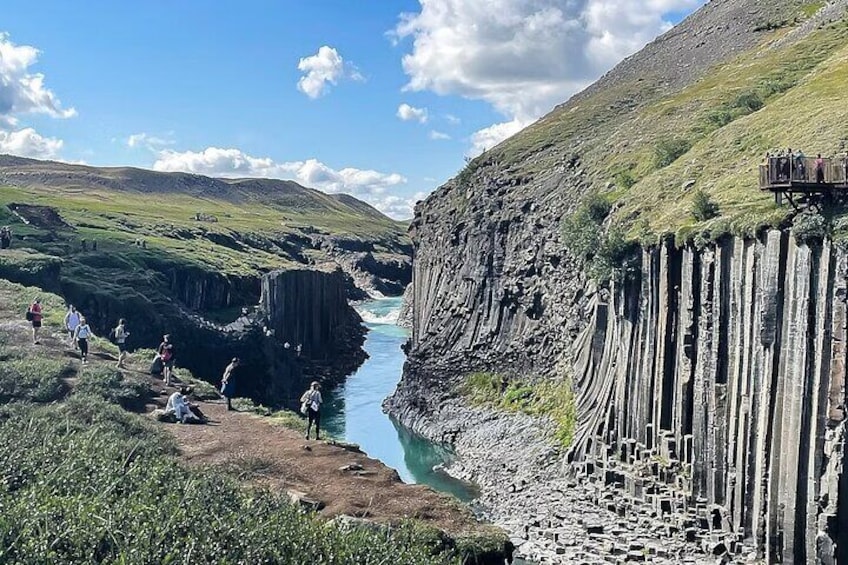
(616, 257)
(809, 227)
(748, 102)
(114, 386)
(581, 233)
(703, 207)
(598, 208)
(624, 179)
(33, 379)
(668, 150)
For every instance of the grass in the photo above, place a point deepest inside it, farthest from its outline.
(86, 482)
(553, 399)
(113, 385)
(285, 418)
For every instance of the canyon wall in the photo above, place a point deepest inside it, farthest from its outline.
(714, 387)
(710, 389)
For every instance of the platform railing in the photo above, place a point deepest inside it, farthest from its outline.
(785, 171)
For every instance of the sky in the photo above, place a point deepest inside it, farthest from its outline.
(382, 99)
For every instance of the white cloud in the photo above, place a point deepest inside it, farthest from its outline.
(324, 68)
(148, 141)
(22, 91)
(487, 138)
(398, 207)
(369, 185)
(437, 135)
(451, 119)
(29, 143)
(408, 113)
(524, 56)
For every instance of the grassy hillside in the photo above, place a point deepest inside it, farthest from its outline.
(649, 149)
(230, 226)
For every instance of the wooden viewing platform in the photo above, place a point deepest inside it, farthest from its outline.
(801, 179)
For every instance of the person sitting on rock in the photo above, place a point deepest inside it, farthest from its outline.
(311, 406)
(179, 406)
(228, 384)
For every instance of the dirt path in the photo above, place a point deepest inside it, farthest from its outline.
(335, 478)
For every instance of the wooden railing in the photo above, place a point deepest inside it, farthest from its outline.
(781, 172)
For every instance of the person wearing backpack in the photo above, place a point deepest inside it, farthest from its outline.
(167, 351)
(81, 336)
(228, 385)
(120, 335)
(72, 320)
(311, 402)
(34, 315)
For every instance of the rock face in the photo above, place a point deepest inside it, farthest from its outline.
(310, 308)
(710, 395)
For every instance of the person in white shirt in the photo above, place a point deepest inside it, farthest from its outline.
(311, 406)
(179, 406)
(72, 320)
(121, 334)
(81, 336)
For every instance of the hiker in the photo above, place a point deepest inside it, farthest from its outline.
(179, 406)
(299, 349)
(5, 237)
(81, 335)
(121, 334)
(72, 320)
(801, 165)
(166, 354)
(819, 169)
(35, 315)
(311, 406)
(228, 385)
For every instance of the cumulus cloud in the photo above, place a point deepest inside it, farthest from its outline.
(524, 56)
(29, 143)
(409, 113)
(148, 141)
(369, 185)
(323, 69)
(21, 90)
(438, 135)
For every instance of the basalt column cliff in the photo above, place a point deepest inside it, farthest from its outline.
(709, 372)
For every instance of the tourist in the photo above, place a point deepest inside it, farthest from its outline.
(35, 315)
(121, 334)
(179, 406)
(167, 352)
(228, 384)
(5, 237)
(81, 335)
(311, 406)
(299, 349)
(72, 320)
(801, 165)
(819, 169)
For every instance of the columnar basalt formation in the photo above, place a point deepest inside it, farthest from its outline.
(714, 388)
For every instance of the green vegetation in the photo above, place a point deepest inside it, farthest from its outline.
(668, 150)
(809, 227)
(285, 418)
(624, 179)
(114, 386)
(86, 482)
(703, 207)
(554, 399)
(606, 254)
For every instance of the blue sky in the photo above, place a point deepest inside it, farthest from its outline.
(380, 99)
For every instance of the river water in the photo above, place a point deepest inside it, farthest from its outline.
(353, 411)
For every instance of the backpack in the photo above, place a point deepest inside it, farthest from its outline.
(113, 337)
(29, 315)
